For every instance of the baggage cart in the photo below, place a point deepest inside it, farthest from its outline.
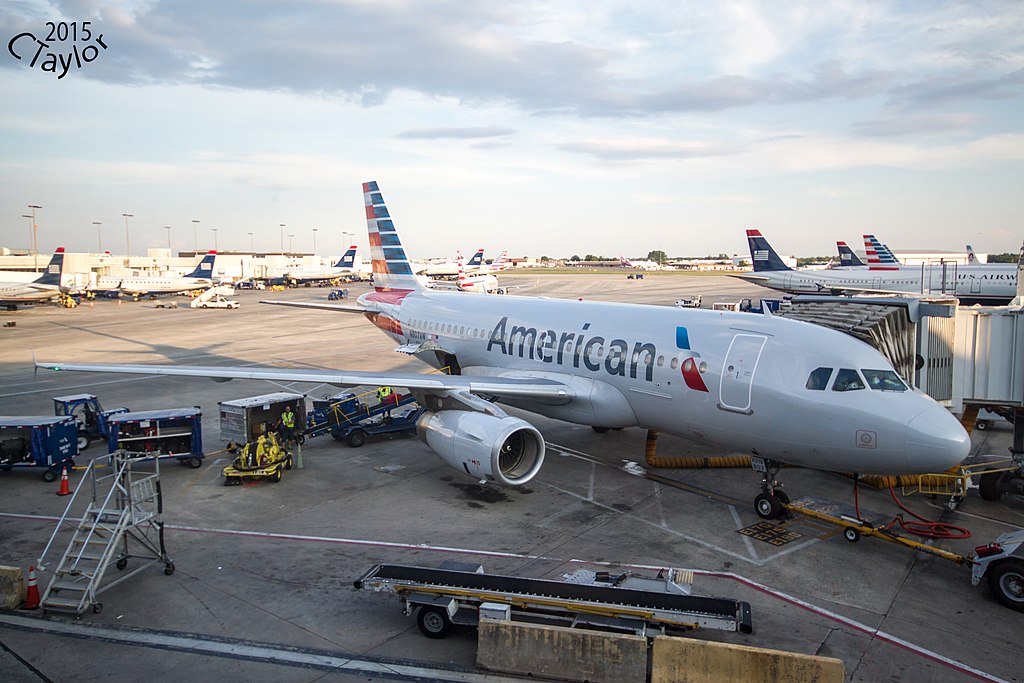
(176, 433)
(46, 441)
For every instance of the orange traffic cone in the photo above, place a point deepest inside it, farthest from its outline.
(32, 594)
(64, 490)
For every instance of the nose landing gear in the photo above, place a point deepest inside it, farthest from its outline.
(771, 502)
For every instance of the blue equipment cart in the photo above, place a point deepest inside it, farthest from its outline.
(352, 417)
(176, 433)
(88, 414)
(45, 441)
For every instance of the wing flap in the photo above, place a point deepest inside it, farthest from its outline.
(546, 390)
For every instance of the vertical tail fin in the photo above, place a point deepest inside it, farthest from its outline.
(971, 258)
(762, 255)
(391, 268)
(348, 259)
(205, 267)
(880, 257)
(51, 276)
(477, 260)
(847, 256)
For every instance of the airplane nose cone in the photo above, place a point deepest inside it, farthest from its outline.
(936, 441)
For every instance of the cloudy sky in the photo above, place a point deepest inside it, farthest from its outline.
(545, 128)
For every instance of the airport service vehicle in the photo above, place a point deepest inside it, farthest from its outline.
(457, 593)
(337, 295)
(987, 284)
(783, 390)
(175, 433)
(262, 458)
(48, 442)
(90, 418)
(1001, 563)
(245, 419)
(351, 417)
(689, 302)
(43, 288)
(214, 302)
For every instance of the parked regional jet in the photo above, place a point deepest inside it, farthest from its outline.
(199, 278)
(346, 265)
(44, 287)
(782, 390)
(992, 284)
(451, 268)
(848, 257)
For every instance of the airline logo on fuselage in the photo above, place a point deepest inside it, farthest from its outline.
(594, 353)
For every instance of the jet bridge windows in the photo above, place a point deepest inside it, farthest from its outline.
(847, 380)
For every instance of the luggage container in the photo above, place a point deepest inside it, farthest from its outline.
(49, 442)
(244, 419)
(176, 433)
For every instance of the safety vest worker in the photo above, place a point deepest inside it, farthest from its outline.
(288, 418)
(383, 393)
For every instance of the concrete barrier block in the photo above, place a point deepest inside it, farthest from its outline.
(684, 660)
(12, 587)
(561, 653)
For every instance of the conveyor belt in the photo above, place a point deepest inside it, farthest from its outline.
(721, 608)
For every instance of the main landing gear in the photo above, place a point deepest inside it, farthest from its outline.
(771, 502)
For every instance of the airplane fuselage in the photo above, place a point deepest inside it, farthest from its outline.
(993, 284)
(726, 378)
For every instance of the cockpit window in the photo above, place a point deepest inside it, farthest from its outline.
(884, 380)
(847, 380)
(819, 379)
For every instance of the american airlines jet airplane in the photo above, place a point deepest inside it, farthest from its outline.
(781, 390)
(990, 284)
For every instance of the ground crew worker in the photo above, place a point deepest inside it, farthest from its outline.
(288, 424)
(384, 396)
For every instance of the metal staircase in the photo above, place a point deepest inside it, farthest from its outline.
(122, 521)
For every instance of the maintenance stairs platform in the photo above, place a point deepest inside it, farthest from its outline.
(122, 520)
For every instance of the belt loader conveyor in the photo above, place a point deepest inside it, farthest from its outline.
(445, 596)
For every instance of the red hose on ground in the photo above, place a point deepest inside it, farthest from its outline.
(923, 527)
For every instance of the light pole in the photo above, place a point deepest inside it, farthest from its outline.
(290, 243)
(281, 226)
(35, 244)
(214, 238)
(99, 237)
(195, 234)
(127, 238)
(168, 229)
(314, 241)
(250, 244)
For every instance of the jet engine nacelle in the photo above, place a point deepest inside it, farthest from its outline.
(505, 449)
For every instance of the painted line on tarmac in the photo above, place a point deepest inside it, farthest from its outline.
(247, 650)
(729, 576)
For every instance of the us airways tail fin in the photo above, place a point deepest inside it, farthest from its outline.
(761, 253)
(391, 268)
(880, 257)
(348, 259)
(51, 276)
(847, 256)
(971, 258)
(205, 267)
(477, 260)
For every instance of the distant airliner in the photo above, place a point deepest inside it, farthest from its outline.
(346, 265)
(199, 278)
(781, 390)
(990, 284)
(44, 287)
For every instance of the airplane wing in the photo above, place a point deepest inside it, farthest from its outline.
(538, 389)
(324, 307)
